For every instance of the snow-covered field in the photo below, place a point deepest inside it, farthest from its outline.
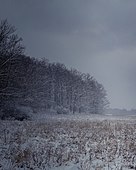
(68, 142)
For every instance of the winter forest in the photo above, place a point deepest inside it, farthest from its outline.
(54, 117)
(26, 81)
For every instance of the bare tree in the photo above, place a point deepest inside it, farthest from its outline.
(10, 43)
(10, 48)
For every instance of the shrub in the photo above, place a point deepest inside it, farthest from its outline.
(62, 110)
(13, 114)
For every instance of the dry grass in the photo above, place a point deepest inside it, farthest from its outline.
(107, 144)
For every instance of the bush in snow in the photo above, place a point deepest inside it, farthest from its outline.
(62, 110)
(13, 114)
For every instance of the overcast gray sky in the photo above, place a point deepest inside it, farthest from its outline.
(93, 36)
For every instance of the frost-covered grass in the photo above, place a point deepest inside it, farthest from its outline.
(69, 143)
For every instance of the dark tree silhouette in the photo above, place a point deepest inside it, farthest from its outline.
(10, 43)
(29, 82)
(10, 48)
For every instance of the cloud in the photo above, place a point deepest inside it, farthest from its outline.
(93, 36)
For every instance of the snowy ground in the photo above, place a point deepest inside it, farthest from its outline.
(68, 142)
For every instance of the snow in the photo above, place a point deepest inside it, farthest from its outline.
(70, 167)
(69, 142)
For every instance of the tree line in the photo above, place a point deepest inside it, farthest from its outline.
(40, 84)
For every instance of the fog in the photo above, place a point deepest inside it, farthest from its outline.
(96, 37)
